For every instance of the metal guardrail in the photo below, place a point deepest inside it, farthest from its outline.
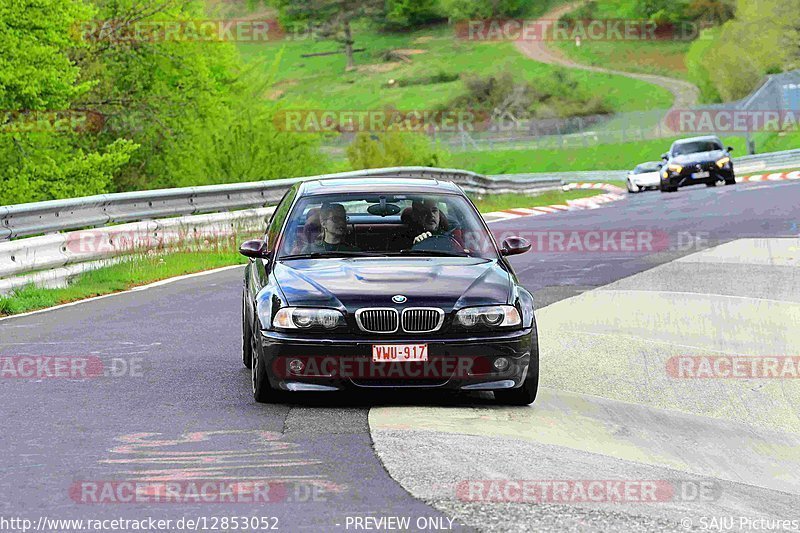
(768, 161)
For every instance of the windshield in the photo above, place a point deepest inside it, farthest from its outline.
(695, 147)
(368, 224)
(646, 167)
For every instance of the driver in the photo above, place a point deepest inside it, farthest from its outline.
(333, 222)
(423, 220)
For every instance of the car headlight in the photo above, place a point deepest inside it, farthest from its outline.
(724, 161)
(674, 168)
(491, 316)
(307, 318)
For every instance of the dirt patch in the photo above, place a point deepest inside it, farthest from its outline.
(279, 89)
(378, 68)
(410, 51)
(423, 39)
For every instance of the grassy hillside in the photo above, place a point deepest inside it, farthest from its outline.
(321, 83)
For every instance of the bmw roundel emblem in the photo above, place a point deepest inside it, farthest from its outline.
(399, 299)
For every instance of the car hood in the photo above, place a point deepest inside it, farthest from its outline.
(353, 283)
(699, 157)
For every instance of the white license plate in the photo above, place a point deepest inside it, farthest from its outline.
(700, 175)
(382, 353)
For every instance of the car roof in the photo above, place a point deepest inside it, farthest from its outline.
(377, 184)
(698, 139)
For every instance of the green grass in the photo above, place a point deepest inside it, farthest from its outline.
(138, 270)
(499, 202)
(596, 157)
(650, 57)
(322, 83)
(776, 142)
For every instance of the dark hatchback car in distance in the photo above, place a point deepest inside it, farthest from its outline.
(385, 283)
(694, 161)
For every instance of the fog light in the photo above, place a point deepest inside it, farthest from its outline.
(501, 363)
(296, 366)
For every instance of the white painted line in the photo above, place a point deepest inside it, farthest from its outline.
(523, 211)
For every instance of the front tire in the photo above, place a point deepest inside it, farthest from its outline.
(730, 181)
(262, 391)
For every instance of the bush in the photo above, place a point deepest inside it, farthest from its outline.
(404, 14)
(392, 149)
(586, 11)
(471, 9)
(503, 94)
(662, 11)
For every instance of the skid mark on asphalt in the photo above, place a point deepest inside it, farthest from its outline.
(223, 454)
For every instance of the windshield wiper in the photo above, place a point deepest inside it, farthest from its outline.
(318, 255)
(436, 253)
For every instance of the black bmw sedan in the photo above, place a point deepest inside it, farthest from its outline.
(385, 282)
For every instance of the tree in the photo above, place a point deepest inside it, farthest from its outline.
(712, 11)
(37, 73)
(330, 19)
(411, 13)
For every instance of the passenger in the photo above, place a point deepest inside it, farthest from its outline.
(333, 228)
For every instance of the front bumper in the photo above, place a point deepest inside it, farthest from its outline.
(685, 177)
(455, 363)
(644, 183)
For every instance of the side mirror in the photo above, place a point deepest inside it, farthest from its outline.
(515, 246)
(729, 148)
(256, 249)
(665, 156)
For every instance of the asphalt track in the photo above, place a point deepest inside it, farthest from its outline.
(608, 319)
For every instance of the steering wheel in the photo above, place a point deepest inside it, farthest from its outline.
(444, 242)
